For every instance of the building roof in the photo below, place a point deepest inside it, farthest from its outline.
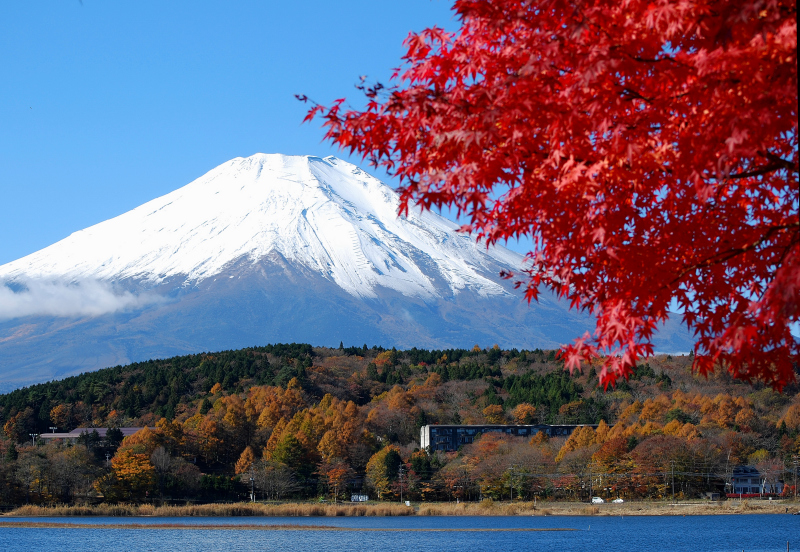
(101, 431)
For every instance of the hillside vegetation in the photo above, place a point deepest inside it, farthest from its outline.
(296, 421)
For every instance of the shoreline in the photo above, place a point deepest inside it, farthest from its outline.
(265, 527)
(483, 509)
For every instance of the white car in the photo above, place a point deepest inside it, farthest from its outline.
(597, 500)
(618, 501)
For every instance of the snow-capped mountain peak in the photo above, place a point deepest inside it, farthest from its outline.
(325, 215)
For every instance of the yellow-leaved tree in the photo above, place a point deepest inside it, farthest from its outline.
(383, 469)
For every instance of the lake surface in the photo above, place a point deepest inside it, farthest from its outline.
(470, 534)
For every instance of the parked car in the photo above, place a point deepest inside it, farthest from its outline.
(618, 501)
(597, 500)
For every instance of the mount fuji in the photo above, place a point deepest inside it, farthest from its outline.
(267, 249)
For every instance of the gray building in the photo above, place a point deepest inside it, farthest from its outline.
(451, 437)
(72, 436)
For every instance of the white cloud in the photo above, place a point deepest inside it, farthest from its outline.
(67, 299)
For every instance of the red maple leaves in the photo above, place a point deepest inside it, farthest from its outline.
(649, 149)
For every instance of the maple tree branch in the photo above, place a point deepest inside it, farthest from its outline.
(772, 167)
(727, 255)
(778, 163)
(778, 160)
(634, 94)
(653, 60)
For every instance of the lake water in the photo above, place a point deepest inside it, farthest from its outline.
(469, 534)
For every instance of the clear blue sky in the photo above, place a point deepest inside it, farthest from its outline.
(105, 105)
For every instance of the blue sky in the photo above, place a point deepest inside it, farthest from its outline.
(105, 105)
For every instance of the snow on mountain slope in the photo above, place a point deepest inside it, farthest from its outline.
(324, 214)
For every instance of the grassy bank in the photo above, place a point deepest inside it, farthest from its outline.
(485, 508)
(488, 508)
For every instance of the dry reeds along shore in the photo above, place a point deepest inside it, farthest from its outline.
(218, 510)
(485, 508)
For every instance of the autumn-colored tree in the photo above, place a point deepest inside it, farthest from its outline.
(649, 150)
(170, 434)
(210, 439)
(114, 418)
(146, 439)
(18, 426)
(434, 380)
(382, 469)
(524, 413)
(494, 414)
(390, 417)
(11, 429)
(336, 474)
(529, 467)
(612, 464)
(133, 472)
(274, 403)
(792, 417)
(488, 462)
(455, 478)
(582, 437)
(236, 425)
(330, 446)
(538, 439)
(246, 459)
(630, 413)
(61, 415)
(652, 460)
(654, 409)
(601, 432)
(571, 410)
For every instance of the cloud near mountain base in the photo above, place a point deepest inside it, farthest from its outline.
(67, 299)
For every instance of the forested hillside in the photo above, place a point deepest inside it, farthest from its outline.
(299, 421)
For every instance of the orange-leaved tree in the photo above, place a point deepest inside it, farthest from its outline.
(648, 149)
(133, 473)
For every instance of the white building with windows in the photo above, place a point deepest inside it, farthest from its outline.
(747, 480)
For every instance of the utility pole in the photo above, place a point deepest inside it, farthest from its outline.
(511, 469)
(252, 488)
(400, 477)
(794, 463)
(672, 468)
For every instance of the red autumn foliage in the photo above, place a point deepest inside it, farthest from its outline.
(649, 150)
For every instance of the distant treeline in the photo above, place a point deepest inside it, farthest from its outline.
(161, 386)
(293, 420)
